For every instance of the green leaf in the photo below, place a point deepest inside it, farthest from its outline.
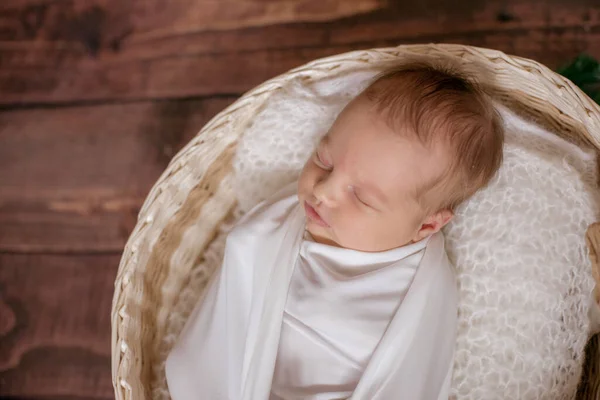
(584, 71)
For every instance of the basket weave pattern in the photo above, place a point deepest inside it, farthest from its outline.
(190, 202)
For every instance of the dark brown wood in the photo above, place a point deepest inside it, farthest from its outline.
(174, 77)
(65, 18)
(72, 179)
(589, 386)
(74, 30)
(139, 51)
(134, 81)
(55, 329)
(142, 22)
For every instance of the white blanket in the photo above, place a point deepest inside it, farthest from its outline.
(229, 346)
(518, 246)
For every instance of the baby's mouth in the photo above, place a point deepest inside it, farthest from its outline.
(314, 216)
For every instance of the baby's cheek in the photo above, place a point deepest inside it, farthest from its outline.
(357, 229)
(304, 182)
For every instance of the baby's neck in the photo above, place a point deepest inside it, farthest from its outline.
(328, 242)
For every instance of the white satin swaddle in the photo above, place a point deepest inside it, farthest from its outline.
(312, 321)
(323, 354)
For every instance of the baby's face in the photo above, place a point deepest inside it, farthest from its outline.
(359, 189)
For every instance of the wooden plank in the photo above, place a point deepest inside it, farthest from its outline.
(172, 77)
(191, 15)
(234, 73)
(123, 60)
(116, 43)
(398, 25)
(72, 179)
(80, 19)
(78, 222)
(55, 326)
(478, 17)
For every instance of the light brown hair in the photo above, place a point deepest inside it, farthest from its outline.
(440, 105)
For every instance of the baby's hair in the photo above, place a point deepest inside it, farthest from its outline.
(441, 105)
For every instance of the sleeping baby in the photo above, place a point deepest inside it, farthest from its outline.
(339, 286)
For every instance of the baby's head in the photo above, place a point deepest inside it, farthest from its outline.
(399, 158)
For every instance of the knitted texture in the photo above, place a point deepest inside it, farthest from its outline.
(518, 245)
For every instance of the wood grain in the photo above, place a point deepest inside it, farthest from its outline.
(96, 96)
(589, 385)
(73, 178)
(175, 77)
(122, 59)
(55, 330)
(68, 21)
(62, 19)
(75, 30)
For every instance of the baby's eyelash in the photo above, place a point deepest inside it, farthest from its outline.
(357, 197)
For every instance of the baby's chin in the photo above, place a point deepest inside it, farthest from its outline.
(324, 240)
(319, 236)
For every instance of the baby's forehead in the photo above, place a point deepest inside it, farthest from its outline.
(373, 124)
(394, 163)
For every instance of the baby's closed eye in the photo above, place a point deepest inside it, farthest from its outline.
(322, 162)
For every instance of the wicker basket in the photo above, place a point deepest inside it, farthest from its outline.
(195, 192)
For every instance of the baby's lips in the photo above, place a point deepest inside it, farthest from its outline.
(312, 214)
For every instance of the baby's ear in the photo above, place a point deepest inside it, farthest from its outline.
(434, 223)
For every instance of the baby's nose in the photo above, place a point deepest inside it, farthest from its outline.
(325, 193)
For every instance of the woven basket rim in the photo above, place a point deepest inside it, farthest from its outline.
(551, 96)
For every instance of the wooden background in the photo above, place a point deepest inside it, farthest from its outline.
(97, 95)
